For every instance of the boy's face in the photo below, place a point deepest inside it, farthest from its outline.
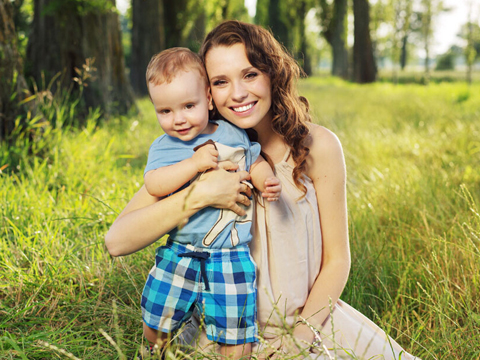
(182, 105)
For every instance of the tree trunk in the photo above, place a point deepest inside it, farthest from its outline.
(63, 39)
(148, 38)
(403, 54)
(364, 68)
(197, 33)
(427, 31)
(11, 79)
(304, 50)
(175, 19)
(276, 23)
(334, 32)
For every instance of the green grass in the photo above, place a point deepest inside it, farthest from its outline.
(413, 158)
(418, 76)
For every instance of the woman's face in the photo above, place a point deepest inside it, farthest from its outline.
(242, 93)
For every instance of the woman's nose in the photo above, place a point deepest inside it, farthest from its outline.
(239, 92)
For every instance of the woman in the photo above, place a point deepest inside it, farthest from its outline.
(300, 242)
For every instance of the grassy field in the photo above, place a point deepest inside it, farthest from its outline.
(413, 157)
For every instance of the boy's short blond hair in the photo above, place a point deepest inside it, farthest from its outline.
(164, 66)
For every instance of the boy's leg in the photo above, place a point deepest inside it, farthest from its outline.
(153, 335)
(236, 351)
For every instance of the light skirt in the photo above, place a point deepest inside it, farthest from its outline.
(346, 334)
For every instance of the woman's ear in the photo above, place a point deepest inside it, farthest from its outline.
(210, 99)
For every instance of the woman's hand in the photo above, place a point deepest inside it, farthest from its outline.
(222, 189)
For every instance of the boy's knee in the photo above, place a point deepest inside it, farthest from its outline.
(150, 334)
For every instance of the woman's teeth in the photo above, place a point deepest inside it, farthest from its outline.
(243, 108)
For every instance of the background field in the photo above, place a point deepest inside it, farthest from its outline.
(413, 158)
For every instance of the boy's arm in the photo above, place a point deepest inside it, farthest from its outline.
(265, 180)
(166, 180)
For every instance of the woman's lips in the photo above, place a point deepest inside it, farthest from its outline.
(243, 108)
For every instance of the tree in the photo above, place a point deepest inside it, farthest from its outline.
(286, 19)
(430, 9)
(332, 20)
(402, 27)
(174, 21)
(272, 14)
(445, 61)
(148, 38)
(303, 53)
(65, 35)
(471, 33)
(11, 80)
(220, 10)
(364, 67)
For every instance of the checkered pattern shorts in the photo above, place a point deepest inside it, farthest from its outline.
(174, 288)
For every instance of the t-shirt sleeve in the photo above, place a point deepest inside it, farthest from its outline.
(164, 153)
(253, 151)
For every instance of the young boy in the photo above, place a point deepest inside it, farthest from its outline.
(205, 264)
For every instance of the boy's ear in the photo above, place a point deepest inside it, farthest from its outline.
(210, 99)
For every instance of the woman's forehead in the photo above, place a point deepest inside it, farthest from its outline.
(227, 57)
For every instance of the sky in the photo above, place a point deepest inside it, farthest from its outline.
(446, 27)
(448, 24)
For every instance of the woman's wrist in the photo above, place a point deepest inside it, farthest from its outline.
(303, 333)
(195, 197)
(308, 331)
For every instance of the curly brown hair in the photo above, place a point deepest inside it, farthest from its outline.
(290, 111)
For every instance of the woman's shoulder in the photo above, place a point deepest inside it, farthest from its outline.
(325, 150)
(323, 140)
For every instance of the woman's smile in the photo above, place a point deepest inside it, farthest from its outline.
(243, 108)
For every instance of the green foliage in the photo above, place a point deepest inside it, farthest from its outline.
(415, 77)
(220, 10)
(446, 61)
(80, 7)
(23, 15)
(471, 33)
(413, 190)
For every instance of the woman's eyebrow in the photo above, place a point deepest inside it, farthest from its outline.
(216, 77)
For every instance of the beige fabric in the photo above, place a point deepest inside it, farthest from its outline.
(287, 248)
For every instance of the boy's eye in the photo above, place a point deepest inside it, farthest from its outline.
(164, 112)
(190, 106)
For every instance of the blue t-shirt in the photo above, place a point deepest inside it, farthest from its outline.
(210, 227)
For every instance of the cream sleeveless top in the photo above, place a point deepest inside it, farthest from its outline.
(287, 247)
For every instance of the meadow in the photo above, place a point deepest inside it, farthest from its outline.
(413, 160)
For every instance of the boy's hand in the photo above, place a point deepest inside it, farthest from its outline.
(206, 158)
(273, 188)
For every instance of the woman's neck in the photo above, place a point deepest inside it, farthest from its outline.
(272, 143)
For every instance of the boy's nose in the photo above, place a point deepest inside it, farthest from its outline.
(179, 119)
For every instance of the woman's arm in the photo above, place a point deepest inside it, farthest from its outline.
(146, 218)
(326, 168)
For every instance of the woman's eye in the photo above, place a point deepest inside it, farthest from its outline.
(219, 82)
(251, 75)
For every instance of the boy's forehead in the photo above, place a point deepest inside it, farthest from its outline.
(184, 83)
(192, 73)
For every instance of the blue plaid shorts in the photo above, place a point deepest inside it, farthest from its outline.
(175, 286)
